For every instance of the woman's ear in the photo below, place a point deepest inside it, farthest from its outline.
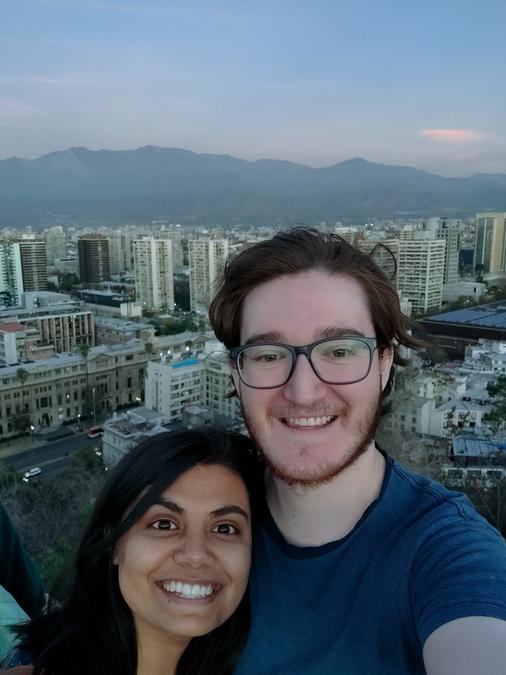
(114, 557)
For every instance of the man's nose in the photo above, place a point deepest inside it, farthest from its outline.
(304, 386)
(194, 550)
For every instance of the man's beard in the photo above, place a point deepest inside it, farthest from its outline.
(365, 429)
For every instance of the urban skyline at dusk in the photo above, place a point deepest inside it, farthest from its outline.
(315, 83)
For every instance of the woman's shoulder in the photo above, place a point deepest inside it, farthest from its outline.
(20, 670)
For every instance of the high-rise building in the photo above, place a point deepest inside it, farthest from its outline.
(419, 266)
(490, 243)
(154, 280)
(116, 258)
(175, 234)
(93, 251)
(207, 259)
(56, 246)
(420, 272)
(33, 264)
(11, 275)
(447, 229)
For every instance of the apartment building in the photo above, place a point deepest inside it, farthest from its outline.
(172, 385)
(33, 264)
(154, 278)
(11, 274)
(206, 259)
(420, 272)
(93, 254)
(490, 243)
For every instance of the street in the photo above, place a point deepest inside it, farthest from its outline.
(53, 457)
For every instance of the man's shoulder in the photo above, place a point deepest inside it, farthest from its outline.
(427, 501)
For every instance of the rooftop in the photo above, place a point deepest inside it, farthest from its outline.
(491, 315)
(479, 447)
(12, 327)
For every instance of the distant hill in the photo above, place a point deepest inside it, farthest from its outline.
(155, 183)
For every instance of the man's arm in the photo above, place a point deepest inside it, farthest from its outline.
(469, 646)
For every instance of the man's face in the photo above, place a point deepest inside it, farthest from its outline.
(309, 431)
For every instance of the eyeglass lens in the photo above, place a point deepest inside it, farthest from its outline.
(338, 361)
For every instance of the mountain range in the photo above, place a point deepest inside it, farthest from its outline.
(168, 183)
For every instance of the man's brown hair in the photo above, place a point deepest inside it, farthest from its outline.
(299, 250)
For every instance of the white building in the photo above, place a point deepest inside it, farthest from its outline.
(420, 272)
(488, 357)
(154, 282)
(468, 289)
(447, 229)
(171, 385)
(207, 259)
(218, 386)
(11, 273)
(126, 430)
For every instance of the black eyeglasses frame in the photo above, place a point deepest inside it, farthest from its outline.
(235, 352)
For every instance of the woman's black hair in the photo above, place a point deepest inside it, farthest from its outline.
(92, 632)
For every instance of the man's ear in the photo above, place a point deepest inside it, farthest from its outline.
(115, 559)
(236, 380)
(386, 360)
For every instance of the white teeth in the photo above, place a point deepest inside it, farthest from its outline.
(309, 421)
(190, 591)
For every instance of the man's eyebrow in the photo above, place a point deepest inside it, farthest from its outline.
(263, 338)
(225, 510)
(324, 333)
(335, 332)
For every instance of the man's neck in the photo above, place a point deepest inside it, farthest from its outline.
(313, 516)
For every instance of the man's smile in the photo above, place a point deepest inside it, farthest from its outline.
(308, 422)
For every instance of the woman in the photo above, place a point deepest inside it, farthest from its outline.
(162, 568)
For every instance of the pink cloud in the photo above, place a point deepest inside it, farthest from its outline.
(453, 135)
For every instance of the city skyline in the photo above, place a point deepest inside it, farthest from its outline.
(314, 83)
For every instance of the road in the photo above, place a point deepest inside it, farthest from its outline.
(53, 457)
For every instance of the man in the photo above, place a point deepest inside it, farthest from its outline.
(359, 566)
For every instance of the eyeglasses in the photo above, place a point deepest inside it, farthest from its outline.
(343, 360)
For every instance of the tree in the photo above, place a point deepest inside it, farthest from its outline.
(148, 348)
(496, 418)
(49, 516)
(67, 281)
(21, 423)
(6, 299)
(23, 419)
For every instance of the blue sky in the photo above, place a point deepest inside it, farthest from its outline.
(312, 81)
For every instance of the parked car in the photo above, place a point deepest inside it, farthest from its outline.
(34, 471)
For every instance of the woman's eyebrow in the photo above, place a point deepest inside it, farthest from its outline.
(168, 504)
(225, 510)
(222, 511)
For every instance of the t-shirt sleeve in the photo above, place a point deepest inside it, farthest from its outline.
(459, 571)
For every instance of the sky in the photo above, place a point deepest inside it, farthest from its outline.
(316, 82)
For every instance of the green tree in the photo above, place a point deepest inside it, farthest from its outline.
(67, 281)
(6, 299)
(496, 418)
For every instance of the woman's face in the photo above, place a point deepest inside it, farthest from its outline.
(183, 566)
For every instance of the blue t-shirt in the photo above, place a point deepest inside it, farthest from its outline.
(419, 557)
